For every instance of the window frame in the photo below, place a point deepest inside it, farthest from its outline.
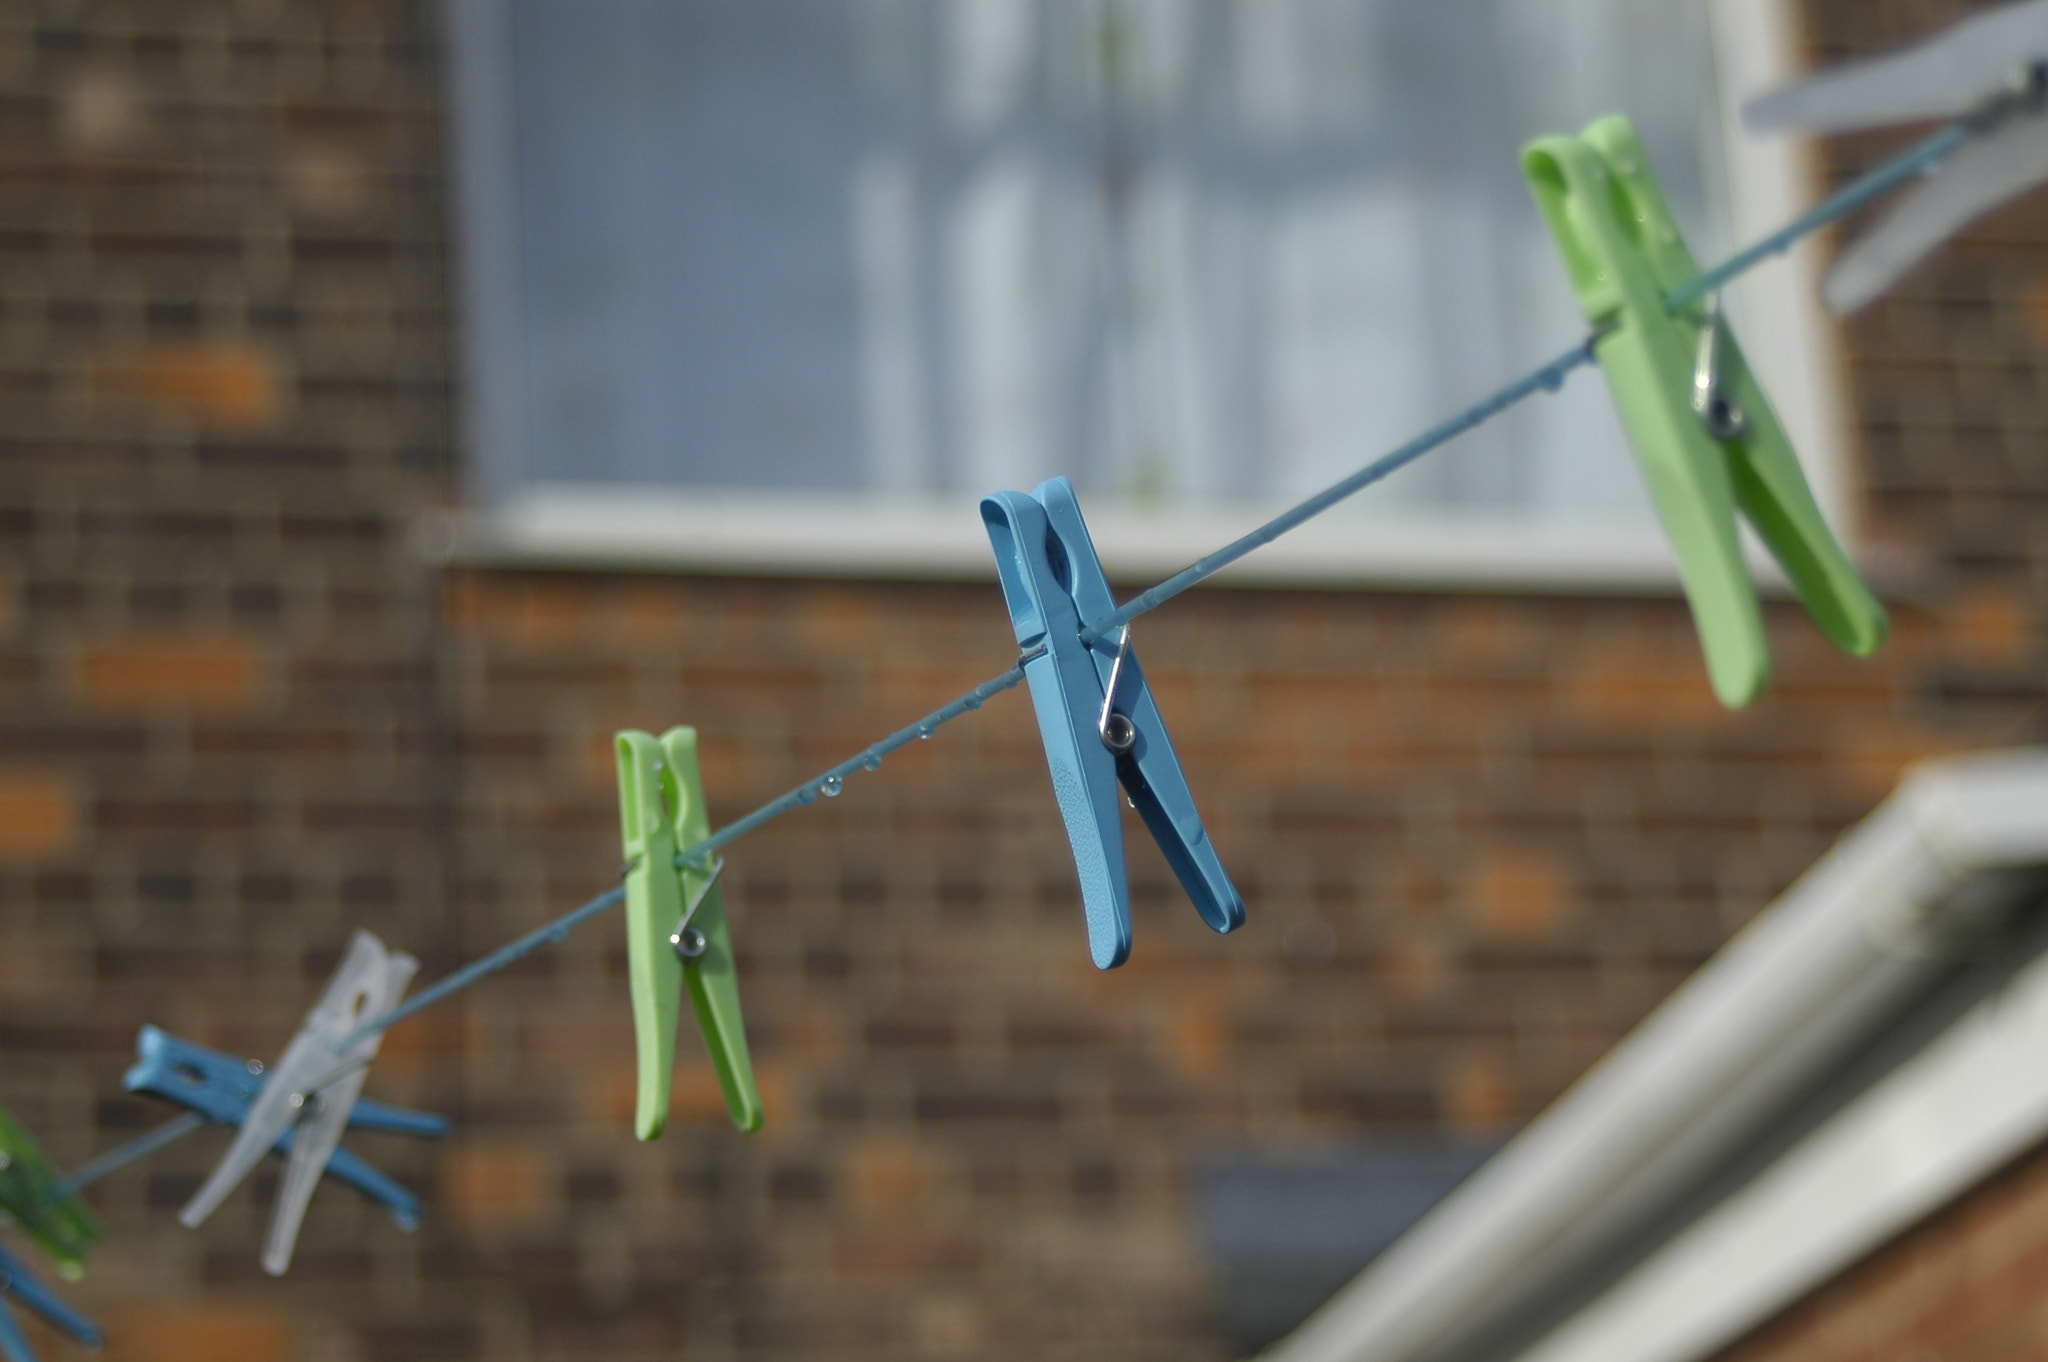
(507, 521)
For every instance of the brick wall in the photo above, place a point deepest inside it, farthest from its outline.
(222, 398)
(1479, 836)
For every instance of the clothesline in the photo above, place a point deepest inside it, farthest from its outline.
(1919, 160)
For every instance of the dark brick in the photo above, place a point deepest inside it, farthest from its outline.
(797, 1182)
(945, 1106)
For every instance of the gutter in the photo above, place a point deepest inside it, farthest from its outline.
(1815, 974)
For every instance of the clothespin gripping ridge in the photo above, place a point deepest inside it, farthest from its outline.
(676, 931)
(33, 1196)
(221, 1088)
(1097, 717)
(1624, 255)
(310, 1093)
(1990, 73)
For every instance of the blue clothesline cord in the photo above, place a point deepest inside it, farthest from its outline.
(1922, 159)
(828, 783)
(170, 1132)
(1919, 160)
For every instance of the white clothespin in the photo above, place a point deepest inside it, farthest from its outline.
(310, 1092)
(1991, 73)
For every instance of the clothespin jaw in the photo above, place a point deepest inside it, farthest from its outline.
(221, 1088)
(1053, 584)
(33, 1196)
(17, 1283)
(1624, 254)
(662, 810)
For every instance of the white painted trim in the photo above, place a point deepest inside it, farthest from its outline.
(1933, 1129)
(736, 533)
(1763, 1018)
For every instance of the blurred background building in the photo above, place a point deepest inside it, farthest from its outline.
(397, 397)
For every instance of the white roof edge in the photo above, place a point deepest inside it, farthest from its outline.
(1923, 1135)
(1676, 1088)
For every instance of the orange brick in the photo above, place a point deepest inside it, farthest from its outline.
(218, 385)
(892, 1175)
(465, 602)
(696, 1096)
(326, 179)
(1477, 1096)
(38, 815)
(840, 620)
(1198, 1036)
(212, 675)
(2034, 304)
(1991, 626)
(201, 1333)
(553, 615)
(1485, 630)
(1418, 972)
(1639, 688)
(1523, 896)
(497, 1186)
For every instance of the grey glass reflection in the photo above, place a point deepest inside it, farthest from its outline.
(1209, 247)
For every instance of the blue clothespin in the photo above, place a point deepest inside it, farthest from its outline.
(1097, 717)
(16, 1282)
(221, 1088)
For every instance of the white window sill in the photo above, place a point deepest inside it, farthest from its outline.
(941, 539)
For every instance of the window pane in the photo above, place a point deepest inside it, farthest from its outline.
(1167, 247)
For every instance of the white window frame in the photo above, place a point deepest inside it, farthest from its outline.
(1789, 340)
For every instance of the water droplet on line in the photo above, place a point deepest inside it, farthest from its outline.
(872, 762)
(924, 732)
(806, 795)
(974, 702)
(832, 786)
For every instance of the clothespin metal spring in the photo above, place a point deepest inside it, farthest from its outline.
(1113, 726)
(689, 943)
(1723, 418)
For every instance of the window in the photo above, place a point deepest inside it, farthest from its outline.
(1284, 1230)
(793, 284)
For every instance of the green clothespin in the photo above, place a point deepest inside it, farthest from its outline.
(675, 928)
(34, 1197)
(1706, 439)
